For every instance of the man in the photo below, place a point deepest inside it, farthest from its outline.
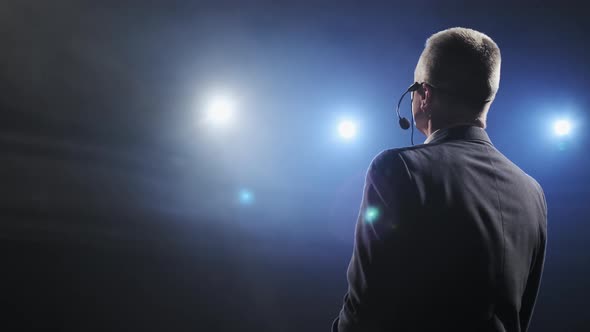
(451, 234)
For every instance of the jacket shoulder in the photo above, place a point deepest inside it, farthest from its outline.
(396, 156)
(389, 163)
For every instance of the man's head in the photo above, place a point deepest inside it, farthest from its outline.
(460, 72)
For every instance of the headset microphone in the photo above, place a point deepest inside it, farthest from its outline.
(404, 123)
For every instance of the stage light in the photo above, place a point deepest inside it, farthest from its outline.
(562, 127)
(220, 111)
(246, 197)
(347, 129)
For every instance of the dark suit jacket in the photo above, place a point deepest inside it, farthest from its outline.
(450, 237)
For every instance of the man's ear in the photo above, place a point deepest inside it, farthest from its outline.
(426, 101)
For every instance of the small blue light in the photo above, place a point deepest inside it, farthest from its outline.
(246, 197)
(371, 214)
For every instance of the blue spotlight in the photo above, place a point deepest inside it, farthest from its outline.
(347, 129)
(562, 127)
(220, 111)
(246, 197)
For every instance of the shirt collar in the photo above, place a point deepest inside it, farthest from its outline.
(459, 132)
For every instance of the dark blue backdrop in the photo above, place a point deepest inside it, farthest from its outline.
(120, 209)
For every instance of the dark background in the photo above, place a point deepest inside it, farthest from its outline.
(119, 210)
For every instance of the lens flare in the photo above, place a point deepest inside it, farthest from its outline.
(371, 214)
(246, 197)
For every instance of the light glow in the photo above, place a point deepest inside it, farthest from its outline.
(562, 127)
(246, 197)
(371, 214)
(220, 111)
(347, 129)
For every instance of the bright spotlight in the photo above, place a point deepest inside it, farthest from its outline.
(562, 128)
(220, 111)
(347, 129)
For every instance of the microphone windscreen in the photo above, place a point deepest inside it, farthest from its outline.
(404, 123)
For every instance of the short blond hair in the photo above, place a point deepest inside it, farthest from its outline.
(463, 62)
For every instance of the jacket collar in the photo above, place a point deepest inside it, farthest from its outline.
(459, 132)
